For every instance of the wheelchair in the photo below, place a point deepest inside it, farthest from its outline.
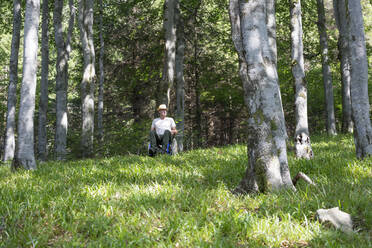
(172, 148)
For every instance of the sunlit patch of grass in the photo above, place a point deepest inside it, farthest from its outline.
(184, 201)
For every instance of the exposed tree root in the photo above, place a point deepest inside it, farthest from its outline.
(245, 187)
(15, 164)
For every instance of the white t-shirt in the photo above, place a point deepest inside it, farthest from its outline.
(162, 125)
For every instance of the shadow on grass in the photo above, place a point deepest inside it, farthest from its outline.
(82, 192)
(204, 170)
(334, 238)
(75, 197)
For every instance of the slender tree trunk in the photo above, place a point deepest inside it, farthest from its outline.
(343, 49)
(198, 111)
(302, 137)
(359, 80)
(63, 53)
(253, 33)
(9, 146)
(326, 69)
(25, 151)
(190, 135)
(101, 77)
(231, 129)
(2, 131)
(180, 81)
(43, 102)
(87, 84)
(169, 26)
(347, 120)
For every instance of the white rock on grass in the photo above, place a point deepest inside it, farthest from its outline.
(338, 218)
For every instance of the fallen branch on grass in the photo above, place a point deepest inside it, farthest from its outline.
(304, 177)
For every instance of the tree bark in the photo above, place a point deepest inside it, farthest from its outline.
(169, 26)
(25, 151)
(302, 137)
(198, 112)
(253, 33)
(63, 54)
(43, 102)
(344, 51)
(180, 81)
(9, 146)
(87, 84)
(359, 81)
(101, 77)
(326, 71)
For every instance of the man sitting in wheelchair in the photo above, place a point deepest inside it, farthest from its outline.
(162, 131)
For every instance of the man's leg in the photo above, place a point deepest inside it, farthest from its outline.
(166, 141)
(153, 143)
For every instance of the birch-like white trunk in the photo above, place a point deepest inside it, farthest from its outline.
(253, 33)
(344, 51)
(87, 83)
(326, 71)
(43, 101)
(302, 137)
(359, 81)
(180, 81)
(9, 146)
(169, 26)
(25, 151)
(63, 53)
(101, 77)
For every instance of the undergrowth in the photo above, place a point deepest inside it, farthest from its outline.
(184, 201)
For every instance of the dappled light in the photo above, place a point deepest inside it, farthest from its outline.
(185, 123)
(184, 199)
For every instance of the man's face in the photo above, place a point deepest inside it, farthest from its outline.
(162, 113)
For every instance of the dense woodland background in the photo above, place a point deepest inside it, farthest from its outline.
(113, 198)
(215, 113)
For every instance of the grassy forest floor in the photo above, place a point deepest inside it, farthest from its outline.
(184, 201)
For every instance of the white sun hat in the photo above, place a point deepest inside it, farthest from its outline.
(162, 107)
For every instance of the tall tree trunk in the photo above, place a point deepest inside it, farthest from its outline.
(198, 111)
(169, 26)
(180, 81)
(326, 71)
(231, 129)
(344, 50)
(2, 131)
(25, 151)
(87, 84)
(63, 53)
(43, 102)
(253, 33)
(359, 80)
(101, 77)
(302, 137)
(9, 146)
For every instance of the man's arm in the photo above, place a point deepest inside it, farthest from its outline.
(174, 130)
(173, 127)
(152, 125)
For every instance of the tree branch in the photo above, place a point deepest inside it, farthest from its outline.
(304, 177)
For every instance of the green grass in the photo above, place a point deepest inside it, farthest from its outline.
(184, 201)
